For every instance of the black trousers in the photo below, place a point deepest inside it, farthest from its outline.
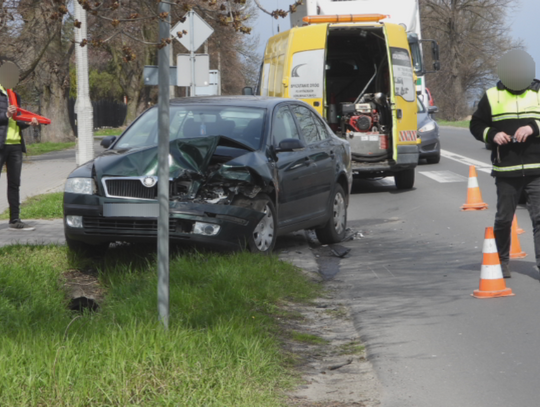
(508, 193)
(11, 155)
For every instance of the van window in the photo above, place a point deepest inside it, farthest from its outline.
(307, 124)
(403, 74)
(284, 126)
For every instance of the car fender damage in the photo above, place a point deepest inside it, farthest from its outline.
(211, 170)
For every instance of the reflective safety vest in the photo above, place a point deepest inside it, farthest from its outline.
(508, 106)
(505, 105)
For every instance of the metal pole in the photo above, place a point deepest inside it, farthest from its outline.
(192, 48)
(163, 169)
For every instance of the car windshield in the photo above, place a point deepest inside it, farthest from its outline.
(421, 108)
(243, 124)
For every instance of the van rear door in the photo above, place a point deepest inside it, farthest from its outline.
(403, 89)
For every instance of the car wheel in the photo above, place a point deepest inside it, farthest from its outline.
(434, 160)
(334, 230)
(86, 249)
(404, 179)
(263, 238)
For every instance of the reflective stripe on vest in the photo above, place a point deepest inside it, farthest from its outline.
(506, 106)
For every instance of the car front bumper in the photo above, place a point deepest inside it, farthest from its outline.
(111, 220)
(430, 145)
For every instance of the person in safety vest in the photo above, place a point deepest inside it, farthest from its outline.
(508, 119)
(12, 144)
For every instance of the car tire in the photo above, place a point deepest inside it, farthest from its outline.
(404, 179)
(434, 160)
(86, 249)
(334, 230)
(263, 238)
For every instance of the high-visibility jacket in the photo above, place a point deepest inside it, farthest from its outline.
(4, 121)
(502, 110)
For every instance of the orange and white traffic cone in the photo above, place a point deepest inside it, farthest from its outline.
(518, 229)
(474, 196)
(515, 246)
(491, 278)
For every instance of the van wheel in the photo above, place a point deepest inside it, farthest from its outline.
(334, 230)
(404, 179)
(85, 249)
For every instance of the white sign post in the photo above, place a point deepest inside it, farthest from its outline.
(198, 32)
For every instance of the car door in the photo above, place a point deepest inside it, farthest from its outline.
(294, 170)
(321, 156)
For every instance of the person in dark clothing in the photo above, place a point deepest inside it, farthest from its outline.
(508, 119)
(12, 146)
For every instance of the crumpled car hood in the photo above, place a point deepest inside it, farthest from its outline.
(190, 160)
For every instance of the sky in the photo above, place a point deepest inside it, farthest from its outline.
(523, 24)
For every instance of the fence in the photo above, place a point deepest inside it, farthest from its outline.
(106, 114)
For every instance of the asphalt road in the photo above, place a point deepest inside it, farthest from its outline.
(409, 281)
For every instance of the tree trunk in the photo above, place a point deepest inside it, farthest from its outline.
(55, 107)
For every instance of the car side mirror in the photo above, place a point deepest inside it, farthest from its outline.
(107, 141)
(433, 109)
(247, 91)
(290, 144)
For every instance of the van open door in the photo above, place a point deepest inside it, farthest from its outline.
(403, 97)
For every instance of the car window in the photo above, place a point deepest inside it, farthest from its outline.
(307, 124)
(323, 132)
(243, 124)
(284, 126)
(421, 108)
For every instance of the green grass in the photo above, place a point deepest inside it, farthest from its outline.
(462, 123)
(46, 206)
(47, 147)
(220, 350)
(108, 132)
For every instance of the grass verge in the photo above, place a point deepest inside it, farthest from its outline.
(108, 132)
(461, 123)
(45, 206)
(47, 147)
(220, 350)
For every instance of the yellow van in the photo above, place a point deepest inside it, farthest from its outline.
(356, 71)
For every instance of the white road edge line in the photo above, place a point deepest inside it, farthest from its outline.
(480, 166)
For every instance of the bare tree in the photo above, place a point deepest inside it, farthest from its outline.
(39, 46)
(38, 36)
(472, 35)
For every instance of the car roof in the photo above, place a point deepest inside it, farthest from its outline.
(238, 100)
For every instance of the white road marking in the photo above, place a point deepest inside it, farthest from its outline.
(480, 166)
(444, 176)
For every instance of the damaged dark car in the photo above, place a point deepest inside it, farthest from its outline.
(243, 170)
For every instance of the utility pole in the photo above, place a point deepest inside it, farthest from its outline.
(83, 106)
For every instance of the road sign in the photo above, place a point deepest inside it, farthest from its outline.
(200, 31)
(150, 75)
(184, 67)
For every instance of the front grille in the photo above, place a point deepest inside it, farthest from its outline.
(130, 188)
(134, 188)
